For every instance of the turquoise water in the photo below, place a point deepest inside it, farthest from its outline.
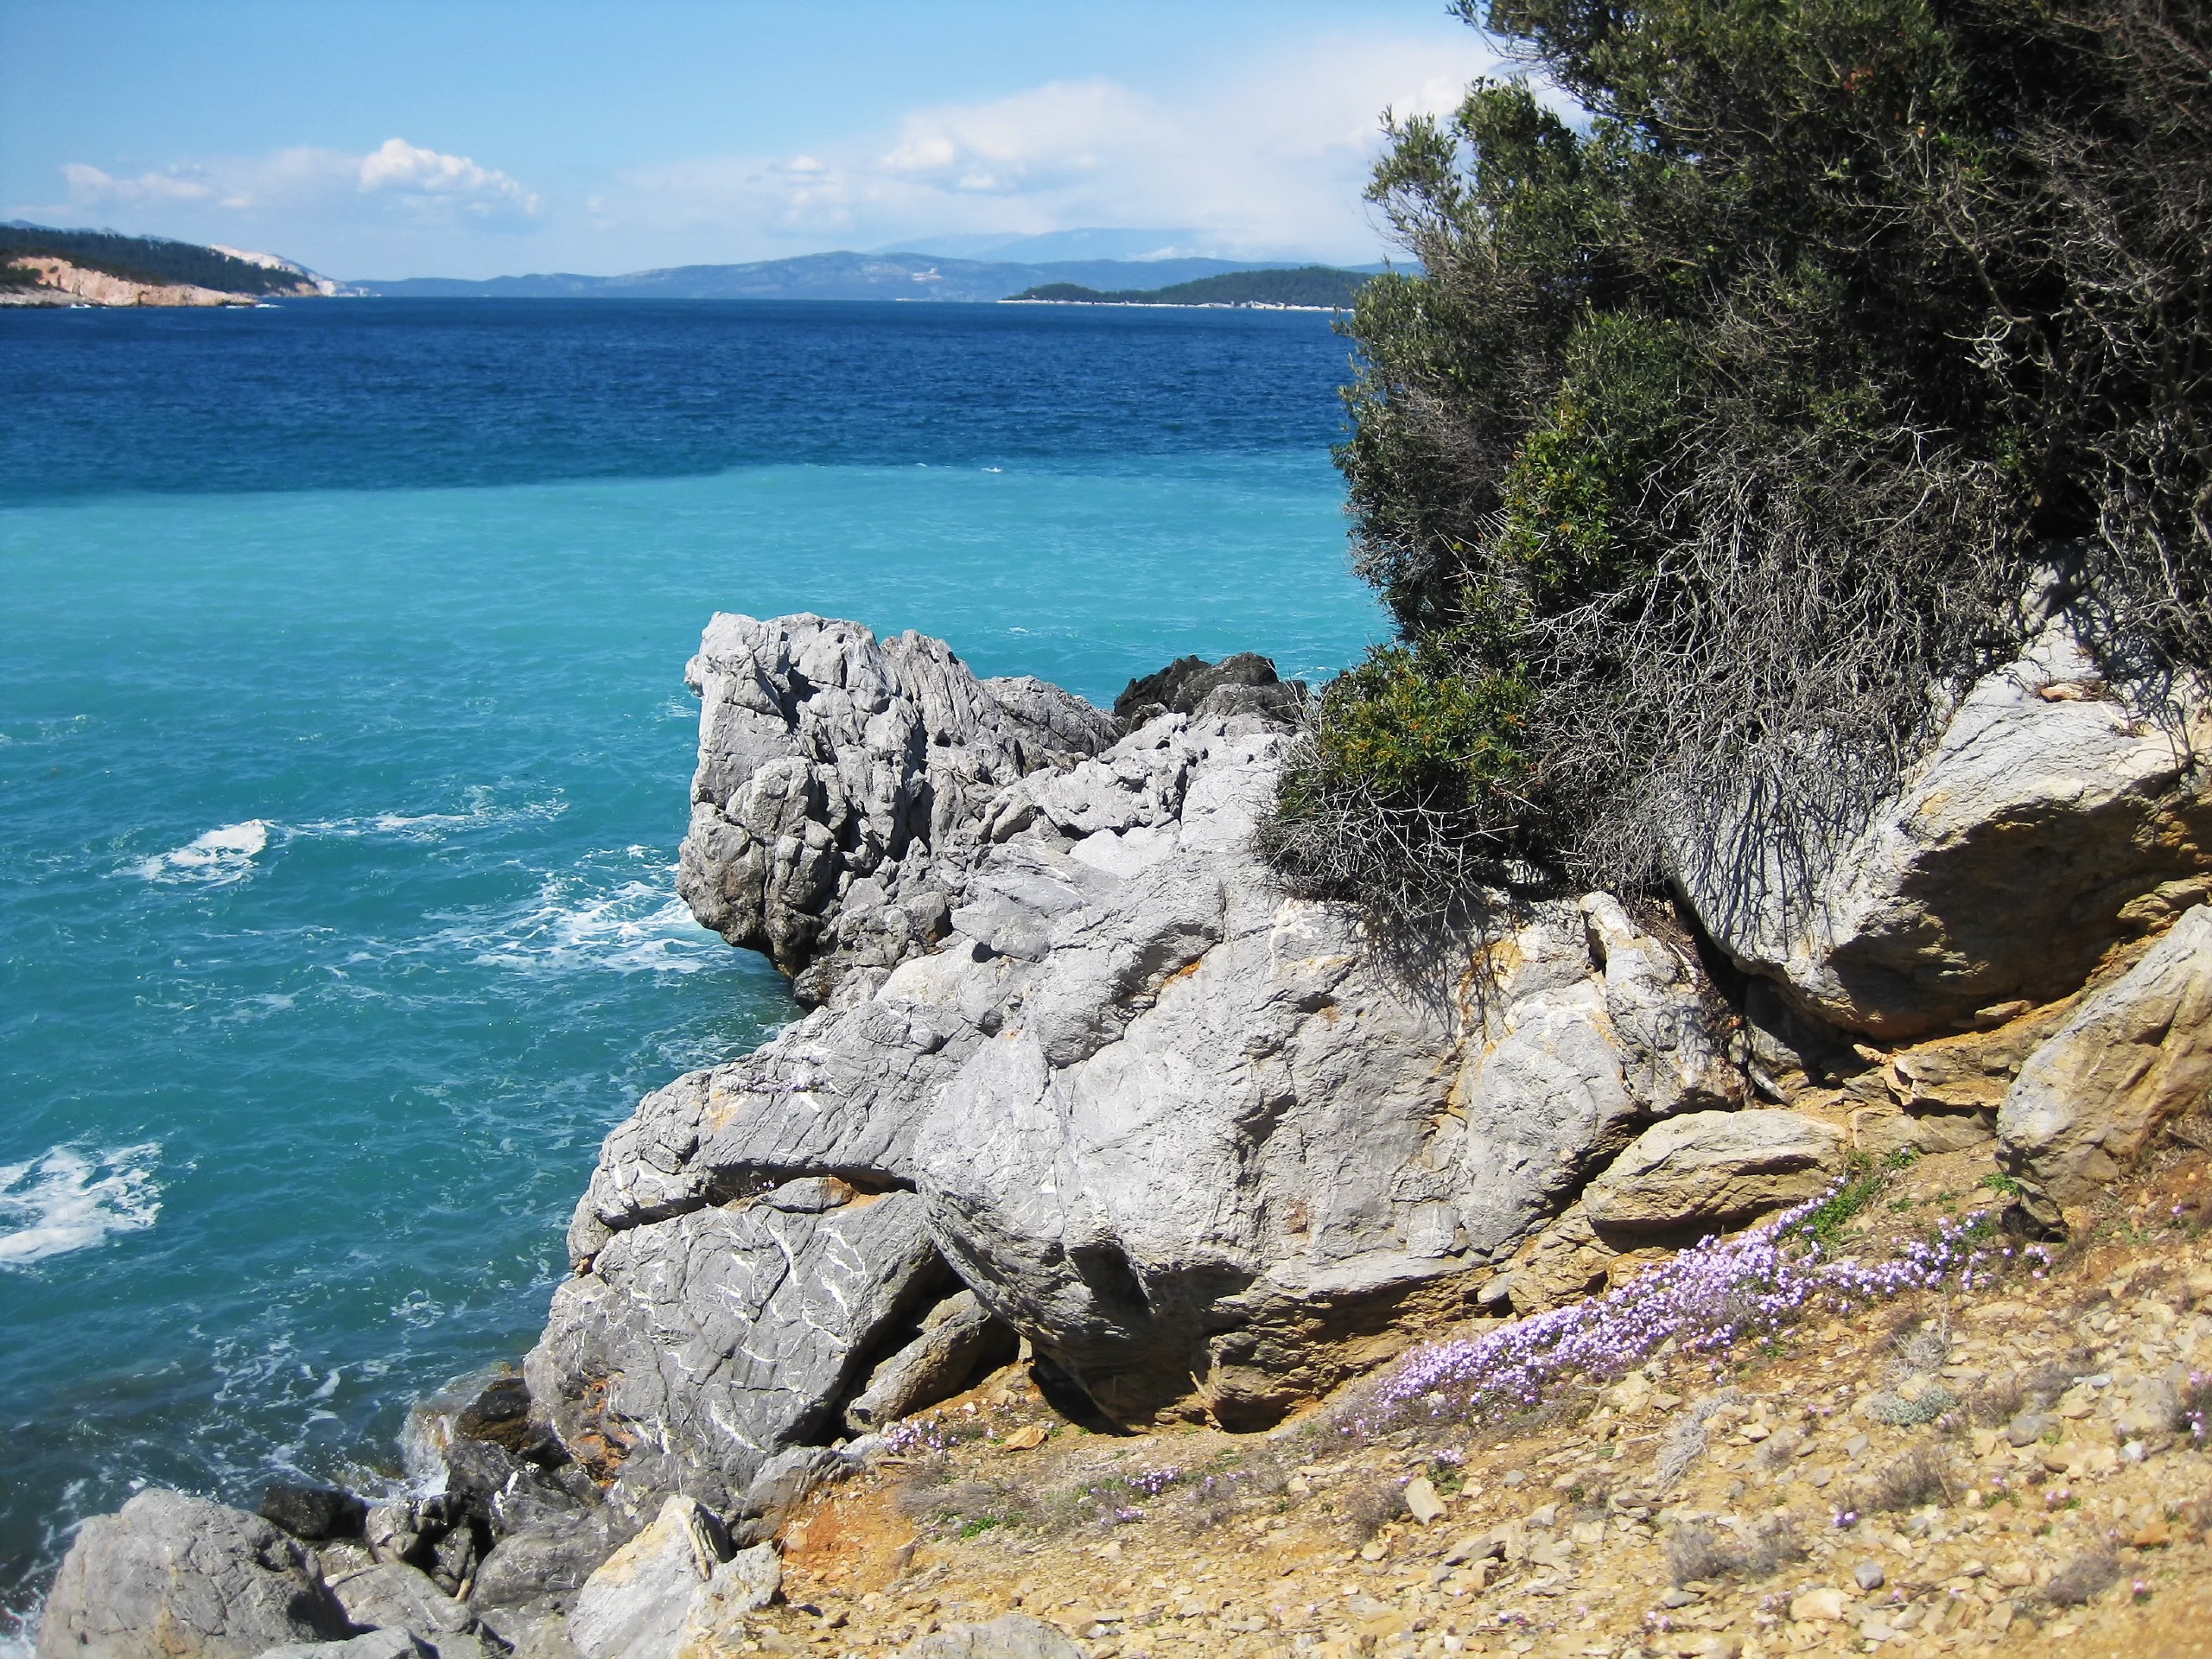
(342, 794)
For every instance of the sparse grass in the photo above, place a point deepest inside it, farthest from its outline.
(2082, 1579)
(1863, 1181)
(1697, 1553)
(1921, 1475)
(1371, 1506)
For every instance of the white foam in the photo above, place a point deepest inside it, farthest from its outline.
(71, 1199)
(634, 927)
(216, 858)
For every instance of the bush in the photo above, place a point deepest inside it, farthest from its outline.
(1715, 445)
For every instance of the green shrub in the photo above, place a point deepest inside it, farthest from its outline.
(1717, 442)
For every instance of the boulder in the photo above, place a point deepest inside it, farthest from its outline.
(391, 1596)
(1712, 1169)
(674, 1584)
(2133, 1057)
(547, 1562)
(1201, 1144)
(834, 769)
(174, 1576)
(2054, 817)
(314, 1513)
(376, 1644)
(960, 1340)
(1014, 1636)
(1185, 683)
(698, 1346)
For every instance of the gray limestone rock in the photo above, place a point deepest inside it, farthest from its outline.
(1014, 1636)
(834, 769)
(1162, 1121)
(392, 1596)
(673, 1585)
(377, 1644)
(698, 1346)
(2131, 1057)
(960, 1339)
(2051, 819)
(1712, 1169)
(174, 1576)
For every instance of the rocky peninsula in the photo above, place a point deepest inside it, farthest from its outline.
(1085, 1115)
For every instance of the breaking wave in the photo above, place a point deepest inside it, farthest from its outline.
(216, 858)
(71, 1199)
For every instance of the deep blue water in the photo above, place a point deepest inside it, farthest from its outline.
(344, 753)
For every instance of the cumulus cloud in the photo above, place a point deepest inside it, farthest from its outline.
(1270, 161)
(397, 175)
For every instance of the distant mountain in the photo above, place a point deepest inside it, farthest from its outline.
(1320, 287)
(1052, 247)
(822, 276)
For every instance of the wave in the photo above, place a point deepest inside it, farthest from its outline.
(71, 1199)
(574, 923)
(216, 858)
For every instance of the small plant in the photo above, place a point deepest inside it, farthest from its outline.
(1371, 1506)
(1921, 1476)
(1899, 1412)
(2081, 1580)
(1697, 1553)
(1997, 1182)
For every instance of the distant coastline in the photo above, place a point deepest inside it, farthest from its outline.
(42, 266)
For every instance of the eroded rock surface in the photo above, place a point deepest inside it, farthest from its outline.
(1168, 1125)
(2133, 1057)
(2053, 818)
(1707, 1170)
(174, 1576)
(834, 768)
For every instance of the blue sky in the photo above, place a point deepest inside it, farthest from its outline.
(474, 137)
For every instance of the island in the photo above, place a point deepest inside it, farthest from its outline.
(1305, 288)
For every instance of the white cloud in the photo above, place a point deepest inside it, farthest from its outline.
(1271, 162)
(399, 175)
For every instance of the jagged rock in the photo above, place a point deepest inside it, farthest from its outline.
(174, 1576)
(548, 1561)
(698, 1346)
(1180, 687)
(834, 769)
(1015, 1636)
(314, 1513)
(2133, 1057)
(1164, 1123)
(782, 1483)
(960, 1339)
(1712, 1169)
(376, 1644)
(2049, 822)
(674, 1584)
(391, 1596)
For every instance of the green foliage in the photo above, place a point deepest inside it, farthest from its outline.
(1863, 1181)
(146, 259)
(1307, 285)
(1730, 428)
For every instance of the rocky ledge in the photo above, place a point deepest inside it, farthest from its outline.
(1079, 1083)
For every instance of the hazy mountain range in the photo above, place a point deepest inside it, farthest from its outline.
(900, 275)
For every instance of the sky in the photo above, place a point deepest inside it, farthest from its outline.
(487, 137)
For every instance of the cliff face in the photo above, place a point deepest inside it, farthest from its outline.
(60, 282)
(1076, 1076)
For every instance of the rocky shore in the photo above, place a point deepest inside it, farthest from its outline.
(1087, 1116)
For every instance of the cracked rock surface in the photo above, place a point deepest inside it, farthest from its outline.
(174, 1576)
(1192, 1139)
(1924, 917)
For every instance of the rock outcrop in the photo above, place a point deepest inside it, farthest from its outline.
(1171, 1127)
(2056, 816)
(1705, 1171)
(174, 1576)
(836, 770)
(2133, 1057)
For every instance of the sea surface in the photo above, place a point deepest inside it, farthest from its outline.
(345, 750)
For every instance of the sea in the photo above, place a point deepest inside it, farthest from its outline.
(345, 752)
